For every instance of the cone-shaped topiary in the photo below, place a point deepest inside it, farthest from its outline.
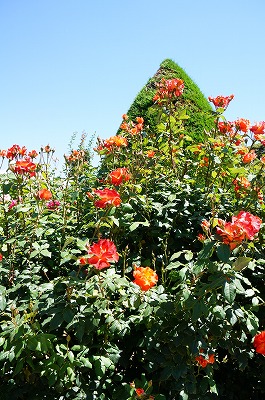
(198, 108)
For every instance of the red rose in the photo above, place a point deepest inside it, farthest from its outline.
(24, 167)
(221, 101)
(250, 223)
(259, 343)
(101, 254)
(205, 361)
(107, 197)
(258, 128)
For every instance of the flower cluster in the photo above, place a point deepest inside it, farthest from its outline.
(108, 145)
(16, 152)
(169, 88)
(22, 167)
(53, 204)
(130, 127)
(241, 184)
(204, 361)
(75, 155)
(242, 126)
(221, 101)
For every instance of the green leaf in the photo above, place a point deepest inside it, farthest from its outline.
(219, 312)
(175, 255)
(229, 291)
(223, 252)
(237, 171)
(100, 368)
(86, 362)
(214, 174)
(241, 263)
(68, 314)
(2, 302)
(207, 250)
(183, 114)
(71, 356)
(173, 265)
(114, 220)
(188, 255)
(70, 373)
(46, 253)
(183, 395)
(19, 366)
(135, 225)
(252, 323)
(199, 309)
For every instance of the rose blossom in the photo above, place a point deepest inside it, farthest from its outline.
(145, 277)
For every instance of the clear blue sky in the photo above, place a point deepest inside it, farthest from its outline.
(76, 65)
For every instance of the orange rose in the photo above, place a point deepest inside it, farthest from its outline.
(44, 194)
(150, 153)
(250, 156)
(119, 175)
(258, 128)
(145, 277)
(242, 124)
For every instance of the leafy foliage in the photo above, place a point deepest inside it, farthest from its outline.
(78, 322)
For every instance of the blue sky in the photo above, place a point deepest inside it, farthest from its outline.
(76, 65)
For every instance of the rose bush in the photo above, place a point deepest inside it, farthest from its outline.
(142, 278)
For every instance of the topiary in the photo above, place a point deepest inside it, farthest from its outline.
(197, 106)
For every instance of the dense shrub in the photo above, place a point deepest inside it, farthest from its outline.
(193, 101)
(144, 278)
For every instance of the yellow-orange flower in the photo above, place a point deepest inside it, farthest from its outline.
(150, 153)
(145, 277)
(116, 141)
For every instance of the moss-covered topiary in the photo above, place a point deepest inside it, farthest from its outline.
(198, 108)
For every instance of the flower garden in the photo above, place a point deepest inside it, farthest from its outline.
(142, 278)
